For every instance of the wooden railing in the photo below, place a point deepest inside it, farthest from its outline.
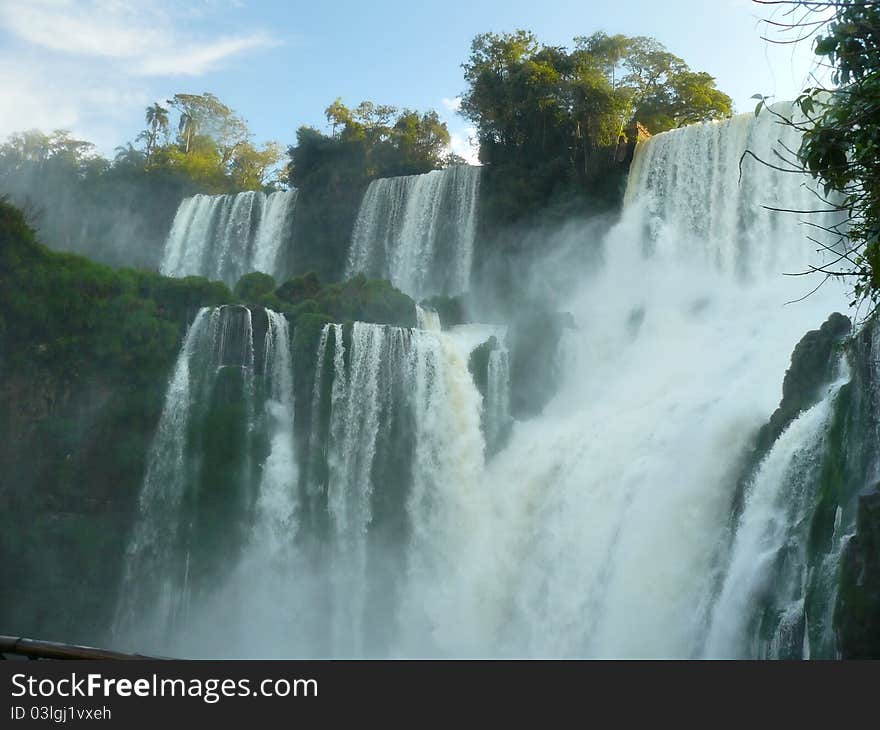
(33, 649)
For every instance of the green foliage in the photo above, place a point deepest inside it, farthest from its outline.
(452, 310)
(332, 171)
(212, 145)
(551, 121)
(359, 298)
(367, 142)
(666, 93)
(528, 99)
(300, 289)
(841, 142)
(252, 287)
(85, 353)
(64, 312)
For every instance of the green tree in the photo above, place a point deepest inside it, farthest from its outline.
(666, 93)
(157, 121)
(841, 137)
(252, 167)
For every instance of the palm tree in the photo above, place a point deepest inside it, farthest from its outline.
(157, 119)
(187, 127)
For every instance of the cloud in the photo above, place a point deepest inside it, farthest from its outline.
(452, 105)
(199, 59)
(92, 65)
(144, 37)
(91, 101)
(463, 143)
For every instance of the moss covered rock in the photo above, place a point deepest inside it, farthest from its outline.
(811, 367)
(857, 614)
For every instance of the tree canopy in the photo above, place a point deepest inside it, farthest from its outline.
(551, 121)
(529, 100)
(366, 142)
(840, 146)
(841, 143)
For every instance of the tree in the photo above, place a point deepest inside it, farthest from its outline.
(157, 121)
(605, 50)
(841, 135)
(205, 115)
(666, 93)
(529, 100)
(251, 167)
(369, 141)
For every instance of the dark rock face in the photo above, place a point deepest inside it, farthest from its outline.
(810, 369)
(534, 341)
(857, 614)
(478, 364)
(71, 460)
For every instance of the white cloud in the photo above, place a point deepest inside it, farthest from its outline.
(144, 37)
(463, 143)
(92, 102)
(91, 65)
(199, 59)
(462, 139)
(112, 30)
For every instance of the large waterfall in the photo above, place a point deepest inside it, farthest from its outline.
(418, 231)
(399, 512)
(613, 510)
(225, 236)
(334, 558)
(222, 461)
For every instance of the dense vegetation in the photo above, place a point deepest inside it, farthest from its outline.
(85, 352)
(331, 171)
(119, 211)
(550, 120)
(841, 145)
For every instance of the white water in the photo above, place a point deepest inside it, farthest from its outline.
(157, 604)
(609, 511)
(497, 405)
(151, 549)
(391, 376)
(418, 231)
(778, 506)
(275, 521)
(602, 527)
(226, 236)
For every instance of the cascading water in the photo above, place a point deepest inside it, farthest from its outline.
(403, 450)
(600, 528)
(226, 428)
(498, 418)
(768, 565)
(611, 509)
(418, 231)
(225, 236)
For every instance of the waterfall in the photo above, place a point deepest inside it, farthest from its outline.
(403, 450)
(769, 563)
(425, 521)
(221, 470)
(497, 406)
(611, 509)
(703, 201)
(226, 236)
(418, 231)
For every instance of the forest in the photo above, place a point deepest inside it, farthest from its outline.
(550, 124)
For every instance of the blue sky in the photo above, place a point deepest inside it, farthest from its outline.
(91, 66)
